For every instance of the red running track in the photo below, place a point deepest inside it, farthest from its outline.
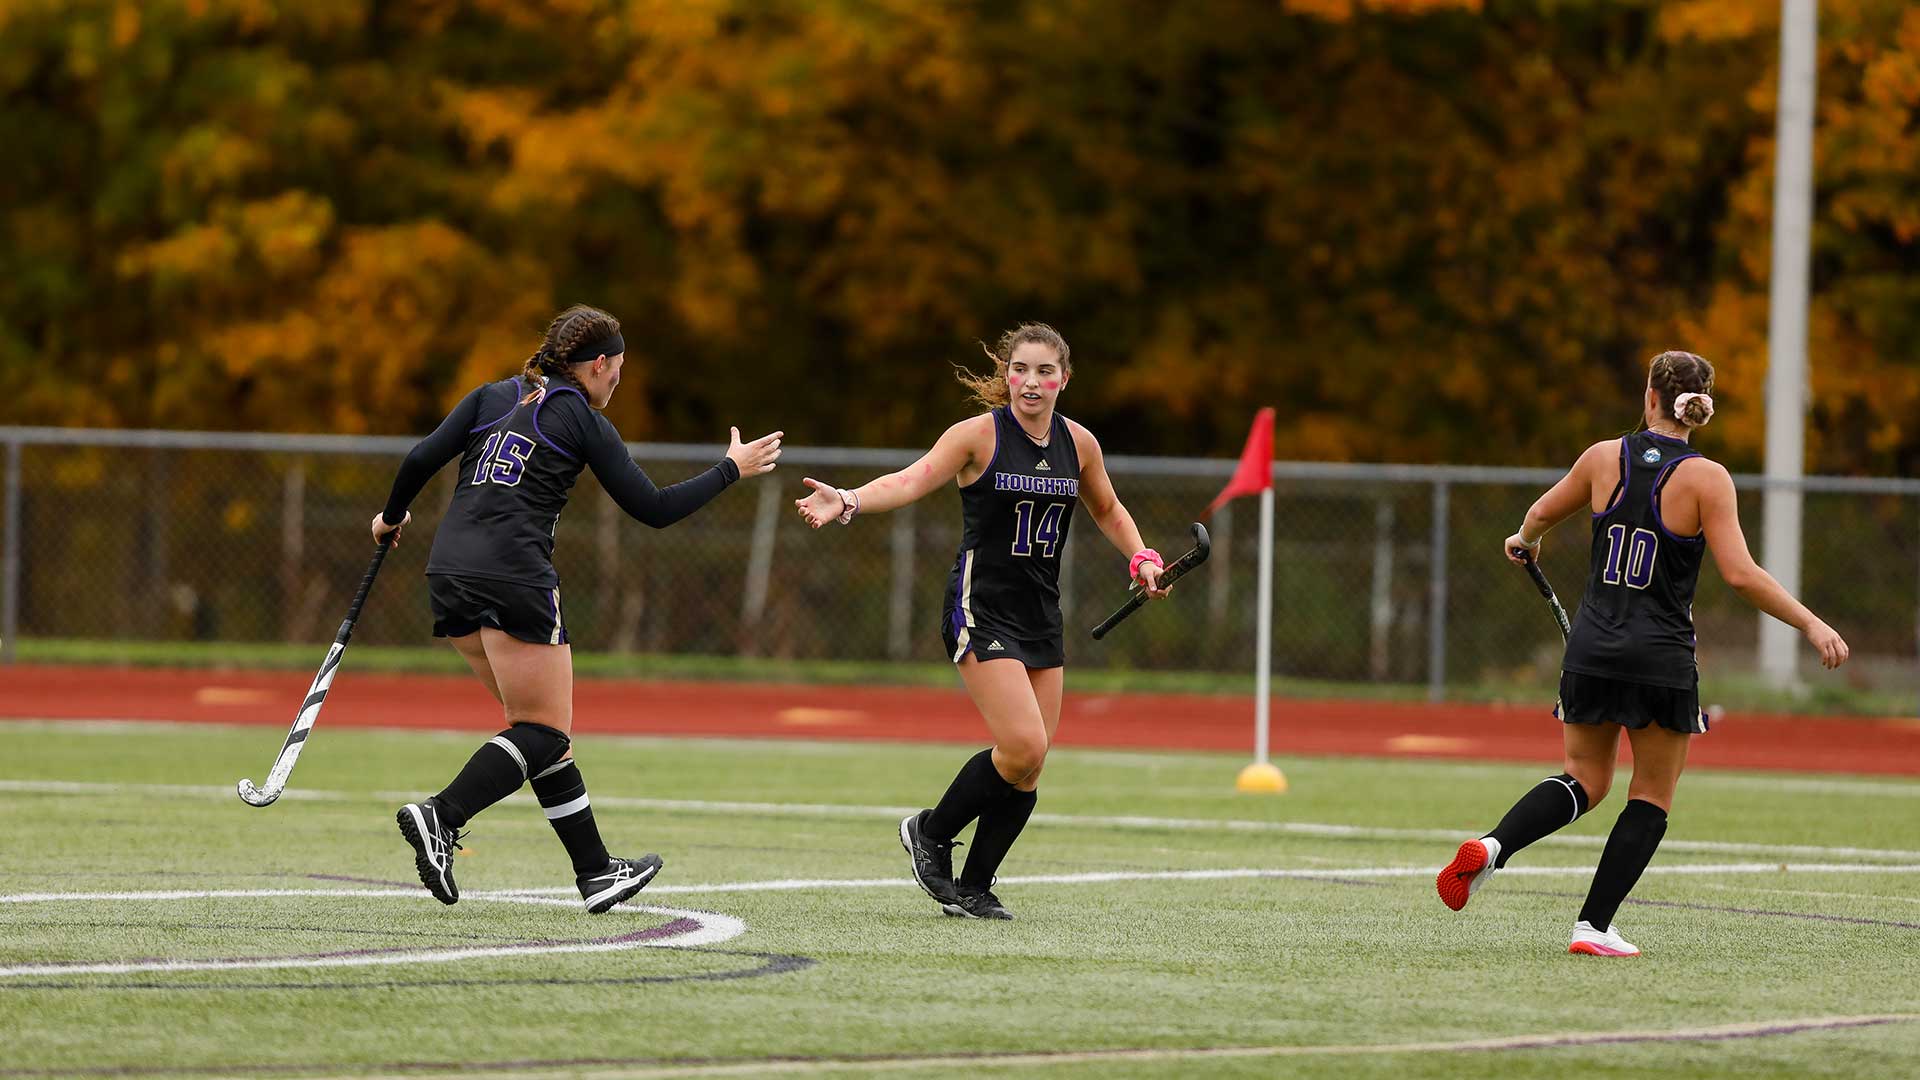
(903, 714)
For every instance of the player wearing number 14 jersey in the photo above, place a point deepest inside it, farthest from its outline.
(522, 442)
(1021, 468)
(1657, 507)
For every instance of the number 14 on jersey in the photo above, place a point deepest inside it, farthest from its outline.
(1029, 533)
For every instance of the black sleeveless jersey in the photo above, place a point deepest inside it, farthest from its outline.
(1635, 621)
(1014, 521)
(513, 482)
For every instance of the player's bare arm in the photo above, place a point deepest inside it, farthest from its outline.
(964, 451)
(1720, 520)
(1107, 511)
(1561, 501)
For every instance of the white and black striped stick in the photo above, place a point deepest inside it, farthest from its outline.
(1202, 547)
(316, 695)
(1546, 590)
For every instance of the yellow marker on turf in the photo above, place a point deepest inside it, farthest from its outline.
(1262, 778)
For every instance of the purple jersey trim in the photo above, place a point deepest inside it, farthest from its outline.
(995, 459)
(502, 416)
(1653, 499)
(536, 416)
(1620, 489)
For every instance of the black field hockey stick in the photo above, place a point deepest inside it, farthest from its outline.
(316, 694)
(1546, 590)
(1202, 547)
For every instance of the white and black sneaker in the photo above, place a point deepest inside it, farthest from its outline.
(434, 843)
(617, 883)
(932, 860)
(972, 903)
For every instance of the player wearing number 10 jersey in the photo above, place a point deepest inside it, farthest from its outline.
(522, 442)
(1021, 468)
(1657, 506)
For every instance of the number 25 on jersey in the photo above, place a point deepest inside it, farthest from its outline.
(504, 459)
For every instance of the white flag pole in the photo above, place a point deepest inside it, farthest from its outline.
(1262, 776)
(1263, 633)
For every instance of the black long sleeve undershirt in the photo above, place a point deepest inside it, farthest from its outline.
(430, 455)
(581, 432)
(633, 491)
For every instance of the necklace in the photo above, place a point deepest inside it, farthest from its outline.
(1651, 430)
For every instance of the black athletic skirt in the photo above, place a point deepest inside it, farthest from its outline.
(1595, 699)
(462, 605)
(987, 642)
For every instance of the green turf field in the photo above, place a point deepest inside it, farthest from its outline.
(1175, 928)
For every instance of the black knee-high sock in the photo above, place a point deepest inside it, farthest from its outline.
(1630, 846)
(563, 795)
(975, 787)
(1000, 826)
(497, 770)
(1553, 802)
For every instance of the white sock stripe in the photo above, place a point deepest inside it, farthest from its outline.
(512, 752)
(553, 768)
(567, 809)
(1571, 795)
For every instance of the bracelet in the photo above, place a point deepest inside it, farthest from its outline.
(849, 505)
(1522, 534)
(1144, 555)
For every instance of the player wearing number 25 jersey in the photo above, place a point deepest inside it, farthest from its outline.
(522, 442)
(1657, 507)
(1021, 468)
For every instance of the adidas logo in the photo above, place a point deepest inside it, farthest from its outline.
(996, 647)
(1043, 466)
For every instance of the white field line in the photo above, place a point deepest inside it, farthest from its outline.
(1240, 873)
(712, 929)
(869, 812)
(975, 1064)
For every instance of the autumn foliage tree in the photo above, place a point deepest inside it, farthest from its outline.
(1425, 230)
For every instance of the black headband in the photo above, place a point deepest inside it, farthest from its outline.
(611, 345)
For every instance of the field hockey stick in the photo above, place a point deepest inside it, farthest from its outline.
(1202, 547)
(1546, 590)
(316, 695)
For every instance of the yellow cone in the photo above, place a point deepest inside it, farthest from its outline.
(1262, 778)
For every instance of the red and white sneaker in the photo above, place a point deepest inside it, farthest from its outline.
(1472, 865)
(1590, 942)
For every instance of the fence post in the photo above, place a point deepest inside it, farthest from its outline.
(1381, 620)
(1437, 598)
(1220, 568)
(900, 593)
(10, 558)
(293, 546)
(753, 602)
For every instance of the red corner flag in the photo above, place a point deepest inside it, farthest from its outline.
(1255, 473)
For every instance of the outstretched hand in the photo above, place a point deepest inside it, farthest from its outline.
(756, 457)
(821, 505)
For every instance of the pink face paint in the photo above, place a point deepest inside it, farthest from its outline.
(1055, 385)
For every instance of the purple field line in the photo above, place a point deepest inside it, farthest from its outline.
(1519, 1042)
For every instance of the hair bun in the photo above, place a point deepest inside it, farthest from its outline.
(1693, 410)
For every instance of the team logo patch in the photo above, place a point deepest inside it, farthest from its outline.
(1651, 455)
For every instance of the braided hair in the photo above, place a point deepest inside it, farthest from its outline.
(572, 328)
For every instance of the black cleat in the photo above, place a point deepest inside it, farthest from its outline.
(617, 883)
(932, 860)
(433, 846)
(973, 903)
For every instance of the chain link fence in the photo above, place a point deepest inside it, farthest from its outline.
(1384, 575)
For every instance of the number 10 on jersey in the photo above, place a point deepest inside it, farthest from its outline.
(1045, 532)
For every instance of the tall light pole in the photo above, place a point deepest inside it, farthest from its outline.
(1787, 325)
